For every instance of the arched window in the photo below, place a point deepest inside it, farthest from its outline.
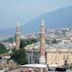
(64, 57)
(67, 56)
(65, 62)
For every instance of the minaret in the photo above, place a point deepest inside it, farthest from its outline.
(17, 35)
(42, 43)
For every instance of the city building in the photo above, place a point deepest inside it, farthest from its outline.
(40, 52)
(59, 54)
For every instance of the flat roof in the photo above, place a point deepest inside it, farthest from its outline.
(34, 65)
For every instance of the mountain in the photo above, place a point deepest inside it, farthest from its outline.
(56, 19)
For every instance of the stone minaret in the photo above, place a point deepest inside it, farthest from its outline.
(17, 35)
(42, 43)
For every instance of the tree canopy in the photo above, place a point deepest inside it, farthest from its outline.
(54, 41)
(2, 48)
(19, 56)
(10, 39)
(25, 42)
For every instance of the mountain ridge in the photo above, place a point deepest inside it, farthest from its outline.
(56, 19)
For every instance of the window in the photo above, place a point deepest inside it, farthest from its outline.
(67, 56)
(64, 57)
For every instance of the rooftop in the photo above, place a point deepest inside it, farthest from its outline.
(62, 44)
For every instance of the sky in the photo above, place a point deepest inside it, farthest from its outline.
(23, 11)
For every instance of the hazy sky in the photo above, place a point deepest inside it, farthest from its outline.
(25, 10)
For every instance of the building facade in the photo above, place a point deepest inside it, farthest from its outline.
(59, 56)
(54, 54)
(60, 53)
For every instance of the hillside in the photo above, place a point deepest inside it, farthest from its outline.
(56, 19)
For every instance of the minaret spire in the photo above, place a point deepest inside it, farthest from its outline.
(42, 21)
(17, 35)
(42, 43)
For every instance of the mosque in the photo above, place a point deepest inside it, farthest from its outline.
(41, 52)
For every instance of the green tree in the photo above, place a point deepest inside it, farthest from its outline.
(19, 56)
(48, 42)
(54, 41)
(2, 48)
(25, 42)
(10, 39)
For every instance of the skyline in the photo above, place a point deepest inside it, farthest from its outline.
(24, 11)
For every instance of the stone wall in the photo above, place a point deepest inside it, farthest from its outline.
(59, 56)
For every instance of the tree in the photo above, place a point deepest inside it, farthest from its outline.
(2, 48)
(10, 39)
(54, 41)
(19, 56)
(48, 42)
(25, 42)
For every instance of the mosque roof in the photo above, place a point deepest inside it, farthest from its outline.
(58, 45)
